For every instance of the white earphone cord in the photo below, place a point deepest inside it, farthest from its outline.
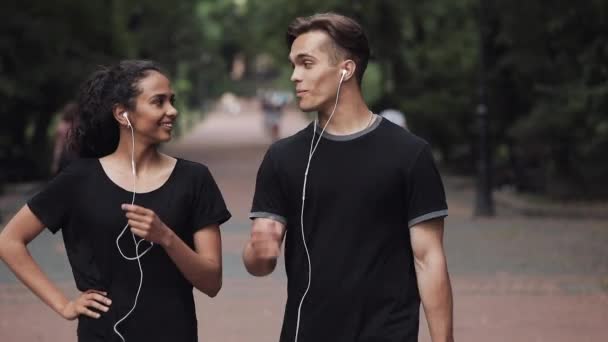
(137, 243)
(311, 153)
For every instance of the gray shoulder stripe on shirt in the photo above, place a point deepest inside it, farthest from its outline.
(426, 217)
(377, 119)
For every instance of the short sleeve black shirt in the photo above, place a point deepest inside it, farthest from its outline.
(85, 205)
(363, 192)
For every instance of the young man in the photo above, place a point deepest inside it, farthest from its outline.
(365, 247)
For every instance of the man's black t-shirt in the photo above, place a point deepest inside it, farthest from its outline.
(363, 192)
(85, 204)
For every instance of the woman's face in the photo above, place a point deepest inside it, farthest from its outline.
(154, 113)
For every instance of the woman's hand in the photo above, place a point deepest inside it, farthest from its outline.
(83, 304)
(147, 225)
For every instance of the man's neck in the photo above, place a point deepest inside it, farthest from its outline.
(351, 116)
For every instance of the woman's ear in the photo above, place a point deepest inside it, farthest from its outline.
(121, 115)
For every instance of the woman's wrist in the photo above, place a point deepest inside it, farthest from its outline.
(168, 238)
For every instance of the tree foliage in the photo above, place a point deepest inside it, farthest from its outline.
(545, 66)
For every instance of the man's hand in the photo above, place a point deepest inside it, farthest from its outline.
(264, 247)
(266, 241)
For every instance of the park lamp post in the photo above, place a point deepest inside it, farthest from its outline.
(484, 204)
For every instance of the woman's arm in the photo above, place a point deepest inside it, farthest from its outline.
(201, 266)
(19, 231)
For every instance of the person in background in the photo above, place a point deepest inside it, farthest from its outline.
(62, 154)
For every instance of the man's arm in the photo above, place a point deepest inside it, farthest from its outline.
(433, 279)
(264, 247)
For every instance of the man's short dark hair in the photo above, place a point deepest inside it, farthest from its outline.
(347, 36)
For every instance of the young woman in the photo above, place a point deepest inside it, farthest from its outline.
(140, 228)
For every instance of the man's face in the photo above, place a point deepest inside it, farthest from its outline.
(316, 73)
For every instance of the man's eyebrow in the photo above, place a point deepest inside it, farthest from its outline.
(301, 56)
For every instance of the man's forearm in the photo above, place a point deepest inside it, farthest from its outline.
(436, 295)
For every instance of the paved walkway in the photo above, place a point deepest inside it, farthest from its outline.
(515, 278)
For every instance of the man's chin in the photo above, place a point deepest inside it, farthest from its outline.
(306, 107)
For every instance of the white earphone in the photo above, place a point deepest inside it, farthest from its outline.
(126, 116)
(313, 148)
(137, 256)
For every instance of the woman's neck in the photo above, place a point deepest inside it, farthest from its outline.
(145, 157)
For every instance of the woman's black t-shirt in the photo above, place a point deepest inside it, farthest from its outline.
(85, 204)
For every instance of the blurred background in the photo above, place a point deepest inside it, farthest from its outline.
(511, 94)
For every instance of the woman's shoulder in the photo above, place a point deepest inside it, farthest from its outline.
(191, 170)
(81, 166)
(190, 165)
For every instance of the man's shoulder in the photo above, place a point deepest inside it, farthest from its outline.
(291, 144)
(402, 139)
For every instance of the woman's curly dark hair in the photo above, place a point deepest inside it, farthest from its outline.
(97, 132)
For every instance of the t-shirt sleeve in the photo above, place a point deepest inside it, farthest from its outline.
(209, 205)
(53, 204)
(425, 192)
(268, 199)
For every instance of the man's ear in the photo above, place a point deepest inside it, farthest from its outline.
(351, 67)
